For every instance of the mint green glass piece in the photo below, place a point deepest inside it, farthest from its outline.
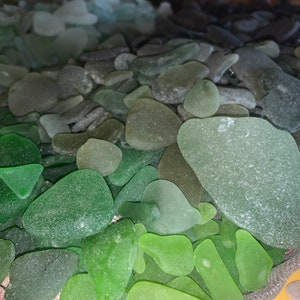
(139, 264)
(173, 253)
(189, 286)
(81, 204)
(109, 257)
(41, 274)
(132, 161)
(16, 150)
(148, 290)
(7, 256)
(253, 262)
(21, 179)
(207, 211)
(228, 231)
(99, 155)
(214, 273)
(173, 167)
(236, 173)
(79, 287)
(134, 189)
(176, 213)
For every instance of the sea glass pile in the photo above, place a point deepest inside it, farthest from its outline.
(147, 154)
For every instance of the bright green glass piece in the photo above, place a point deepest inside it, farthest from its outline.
(79, 287)
(99, 155)
(109, 257)
(214, 273)
(41, 274)
(21, 179)
(134, 189)
(207, 211)
(176, 213)
(233, 159)
(132, 161)
(7, 256)
(253, 262)
(148, 290)
(139, 264)
(78, 205)
(166, 250)
(188, 286)
(16, 150)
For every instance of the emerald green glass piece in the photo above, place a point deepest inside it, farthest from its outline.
(166, 250)
(68, 143)
(277, 255)
(27, 130)
(214, 273)
(207, 211)
(134, 189)
(203, 99)
(21, 179)
(7, 256)
(189, 286)
(233, 159)
(132, 161)
(17, 150)
(11, 205)
(228, 231)
(99, 155)
(80, 204)
(253, 262)
(41, 274)
(151, 125)
(109, 257)
(176, 214)
(173, 167)
(79, 287)
(148, 290)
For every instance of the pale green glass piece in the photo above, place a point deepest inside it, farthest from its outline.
(142, 91)
(7, 256)
(214, 273)
(232, 110)
(21, 179)
(134, 189)
(233, 159)
(109, 257)
(148, 290)
(253, 262)
(79, 287)
(203, 99)
(99, 155)
(176, 214)
(41, 274)
(151, 125)
(207, 211)
(189, 286)
(166, 250)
